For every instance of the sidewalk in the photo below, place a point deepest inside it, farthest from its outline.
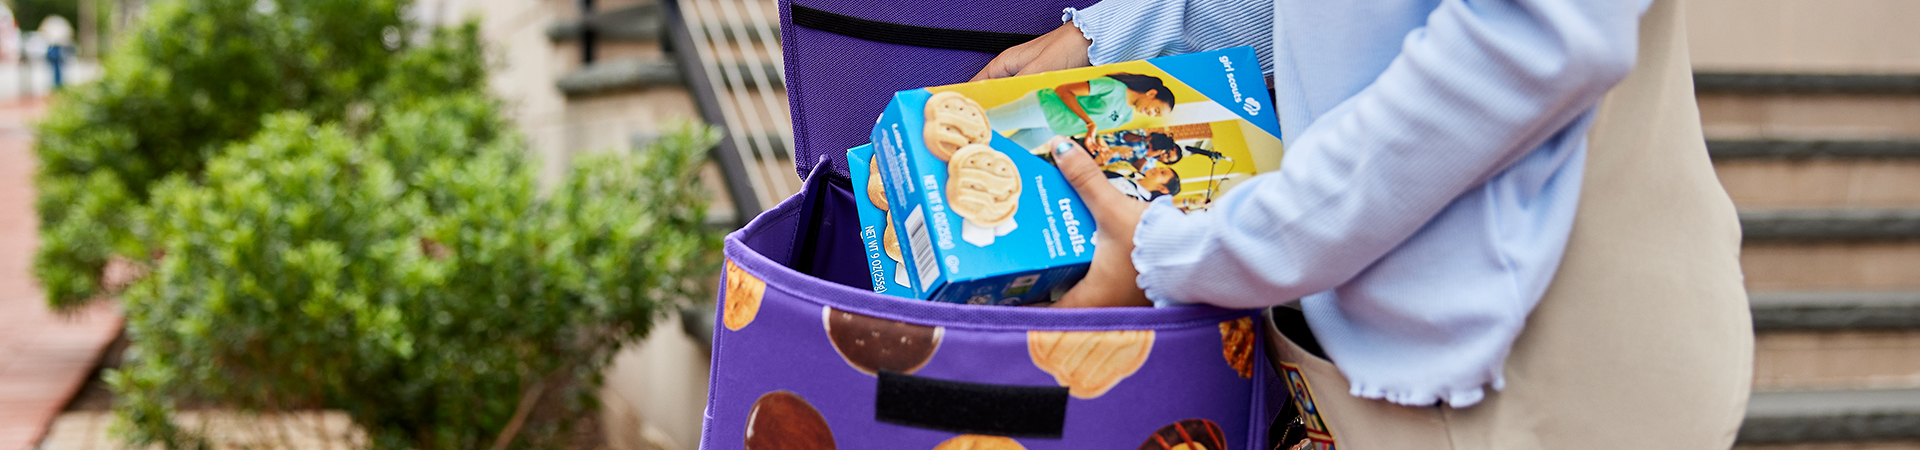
(44, 356)
(35, 80)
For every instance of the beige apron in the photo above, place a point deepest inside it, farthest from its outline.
(1644, 340)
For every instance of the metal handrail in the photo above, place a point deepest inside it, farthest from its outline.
(691, 51)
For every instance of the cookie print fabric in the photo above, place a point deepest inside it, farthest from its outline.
(809, 358)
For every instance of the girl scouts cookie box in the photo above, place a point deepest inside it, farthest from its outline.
(885, 262)
(985, 216)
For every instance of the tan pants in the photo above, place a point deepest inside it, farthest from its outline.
(1644, 340)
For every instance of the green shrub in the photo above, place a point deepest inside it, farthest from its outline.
(196, 75)
(308, 270)
(330, 215)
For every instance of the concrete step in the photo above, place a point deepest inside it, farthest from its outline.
(1726, 115)
(643, 23)
(778, 146)
(1871, 445)
(618, 75)
(1836, 339)
(1835, 310)
(1831, 249)
(1764, 105)
(1832, 416)
(1819, 173)
(1813, 149)
(634, 23)
(1873, 265)
(1832, 358)
(1853, 36)
(1831, 225)
(1768, 183)
(1716, 82)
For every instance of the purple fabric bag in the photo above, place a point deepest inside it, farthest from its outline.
(806, 356)
(845, 58)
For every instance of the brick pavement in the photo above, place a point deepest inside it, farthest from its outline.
(44, 356)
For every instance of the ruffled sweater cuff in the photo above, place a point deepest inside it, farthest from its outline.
(1126, 30)
(1163, 233)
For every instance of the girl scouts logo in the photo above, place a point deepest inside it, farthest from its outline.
(1318, 436)
(1252, 106)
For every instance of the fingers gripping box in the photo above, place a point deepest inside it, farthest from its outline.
(879, 239)
(985, 216)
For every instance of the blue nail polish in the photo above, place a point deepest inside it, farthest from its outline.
(1062, 148)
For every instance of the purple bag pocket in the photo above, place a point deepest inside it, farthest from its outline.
(845, 58)
(805, 356)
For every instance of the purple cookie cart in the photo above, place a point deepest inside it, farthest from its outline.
(805, 356)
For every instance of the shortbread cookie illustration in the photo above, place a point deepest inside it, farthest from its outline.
(876, 190)
(1190, 434)
(892, 241)
(1089, 363)
(1236, 341)
(954, 121)
(872, 344)
(782, 420)
(983, 186)
(743, 297)
(980, 442)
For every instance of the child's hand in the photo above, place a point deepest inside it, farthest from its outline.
(1099, 149)
(1110, 280)
(1062, 48)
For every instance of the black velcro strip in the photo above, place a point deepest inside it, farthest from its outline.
(972, 408)
(918, 36)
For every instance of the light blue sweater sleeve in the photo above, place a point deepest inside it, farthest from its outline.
(1141, 29)
(1434, 154)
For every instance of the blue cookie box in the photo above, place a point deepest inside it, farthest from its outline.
(1050, 247)
(872, 222)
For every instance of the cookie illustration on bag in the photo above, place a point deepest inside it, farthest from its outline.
(954, 121)
(871, 344)
(983, 187)
(1190, 434)
(1236, 342)
(782, 420)
(743, 297)
(1089, 363)
(980, 442)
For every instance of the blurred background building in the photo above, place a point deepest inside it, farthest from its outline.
(1811, 108)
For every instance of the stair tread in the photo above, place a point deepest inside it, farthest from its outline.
(1835, 310)
(635, 23)
(642, 23)
(1831, 224)
(620, 74)
(1805, 83)
(1831, 415)
(1829, 403)
(1725, 149)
